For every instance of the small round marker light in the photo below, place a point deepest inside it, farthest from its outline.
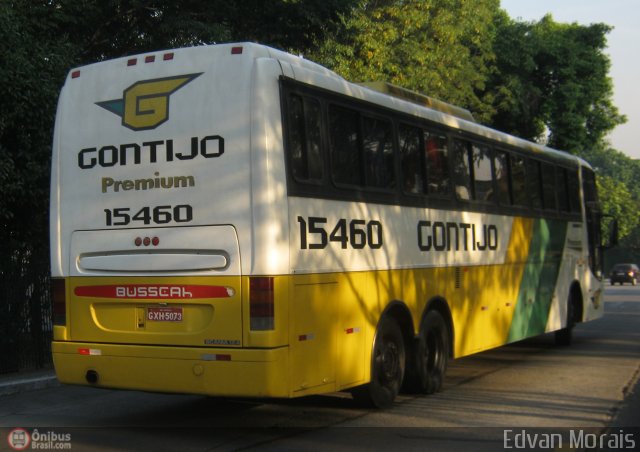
(146, 241)
(155, 241)
(138, 241)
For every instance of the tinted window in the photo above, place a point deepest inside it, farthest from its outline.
(410, 139)
(589, 185)
(378, 153)
(535, 183)
(482, 178)
(437, 164)
(549, 186)
(574, 190)
(462, 169)
(518, 181)
(562, 189)
(501, 165)
(346, 163)
(304, 138)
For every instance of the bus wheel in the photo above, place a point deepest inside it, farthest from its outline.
(564, 337)
(431, 355)
(387, 367)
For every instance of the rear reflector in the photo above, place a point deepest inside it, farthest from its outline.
(261, 304)
(59, 299)
(236, 50)
(218, 357)
(75, 74)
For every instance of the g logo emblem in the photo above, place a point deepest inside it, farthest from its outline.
(145, 104)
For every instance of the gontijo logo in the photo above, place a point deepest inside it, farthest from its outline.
(145, 104)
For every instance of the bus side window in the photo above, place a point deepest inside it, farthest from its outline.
(377, 141)
(593, 216)
(482, 176)
(535, 183)
(574, 190)
(305, 139)
(518, 181)
(346, 161)
(549, 186)
(501, 170)
(562, 189)
(437, 164)
(409, 139)
(462, 170)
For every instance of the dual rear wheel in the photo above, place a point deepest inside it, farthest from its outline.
(420, 364)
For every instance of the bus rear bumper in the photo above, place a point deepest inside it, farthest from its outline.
(215, 372)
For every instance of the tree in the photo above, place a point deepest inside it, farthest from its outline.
(32, 70)
(552, 83)
(618, 202)
(110, 28)
(40, 40)
(442, 48)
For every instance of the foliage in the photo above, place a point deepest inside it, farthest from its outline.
(530, 79)
(442, 48)
(40, 40)
(552, 83)
(31, 71)
(110, 28)
(619, 202)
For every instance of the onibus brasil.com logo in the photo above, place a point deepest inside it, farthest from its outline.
(21, 439)
(145, 104)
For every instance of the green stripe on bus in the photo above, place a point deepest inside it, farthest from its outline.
(539, 279)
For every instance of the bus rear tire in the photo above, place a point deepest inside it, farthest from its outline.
(387, 367)
(431, 355)
(564, 337)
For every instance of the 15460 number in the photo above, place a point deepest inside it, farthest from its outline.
(358, 234)
(122, 216)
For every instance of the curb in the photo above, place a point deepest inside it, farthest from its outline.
(26, 383)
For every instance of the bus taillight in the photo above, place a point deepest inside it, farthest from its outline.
(261, 300)
(59, 299)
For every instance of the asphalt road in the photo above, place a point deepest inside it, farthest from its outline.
(530, 391)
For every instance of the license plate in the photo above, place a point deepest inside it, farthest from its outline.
(164, 314)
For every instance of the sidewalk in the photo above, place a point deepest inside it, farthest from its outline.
(628, 413)
(27, 381)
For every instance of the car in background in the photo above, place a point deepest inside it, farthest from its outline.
(624, 273)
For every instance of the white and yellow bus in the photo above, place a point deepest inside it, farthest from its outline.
(232, 220)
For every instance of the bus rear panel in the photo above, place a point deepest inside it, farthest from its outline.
(153, 224)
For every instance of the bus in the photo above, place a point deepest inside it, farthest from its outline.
(233, 220)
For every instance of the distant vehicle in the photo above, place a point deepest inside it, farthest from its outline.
(622, 273)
